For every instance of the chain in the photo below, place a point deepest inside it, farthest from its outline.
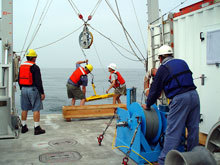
(125, 159)
(101, 137)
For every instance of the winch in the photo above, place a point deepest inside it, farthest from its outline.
(140, 133)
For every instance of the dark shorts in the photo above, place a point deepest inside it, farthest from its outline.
(120, 90)
(31, 99)
(74, 92)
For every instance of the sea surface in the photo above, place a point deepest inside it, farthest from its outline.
(54, 82)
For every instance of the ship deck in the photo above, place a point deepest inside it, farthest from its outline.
(63, 143)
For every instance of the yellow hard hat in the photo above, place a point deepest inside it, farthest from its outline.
(31, 53)
(89, 67)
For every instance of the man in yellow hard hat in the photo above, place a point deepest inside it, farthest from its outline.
(77, 79)
(32, 92)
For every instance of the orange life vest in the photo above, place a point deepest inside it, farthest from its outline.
(75, 77)
(120, 80)
(25, 75)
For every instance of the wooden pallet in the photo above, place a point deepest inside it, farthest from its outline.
(90, 111)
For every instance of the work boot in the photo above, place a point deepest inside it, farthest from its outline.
(24, 128)
(38, 130)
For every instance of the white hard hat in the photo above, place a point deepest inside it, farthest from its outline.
(112, 66)
(165, 49)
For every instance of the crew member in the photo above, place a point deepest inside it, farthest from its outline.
(32, 92)
(117, 82)
(175, 79)
(77, 79)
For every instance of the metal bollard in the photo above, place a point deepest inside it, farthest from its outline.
(198, 156)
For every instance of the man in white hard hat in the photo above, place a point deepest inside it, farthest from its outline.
(77, 79)
(32, 92)
(117, 82)
(175, 79)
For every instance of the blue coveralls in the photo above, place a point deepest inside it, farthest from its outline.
(184, 108)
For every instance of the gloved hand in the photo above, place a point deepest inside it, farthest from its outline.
(144, 106)
(148, 109)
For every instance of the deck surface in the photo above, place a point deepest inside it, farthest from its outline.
(78, 136)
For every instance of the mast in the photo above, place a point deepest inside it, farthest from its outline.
(153, 11)
(8, 116)
(153, 15)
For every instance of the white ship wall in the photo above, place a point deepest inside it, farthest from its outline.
(188, 46)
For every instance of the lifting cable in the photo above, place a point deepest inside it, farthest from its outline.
(46, 8)
(42, 17)
(60, 38)
(125, 31)
(56, 40)
(29, 27)
(83, 52)
(100, 60)
(78, 13)
(121, 53)
(113, 41)
(181, 3)
(139, 27)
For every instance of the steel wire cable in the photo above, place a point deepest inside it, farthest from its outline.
(125, 31)
(111, 40)
(30, 26)
(75, 9)
(100, 60)
(60, 38)
(42, 17)
(96, 7)
(116, 44)
(78, 12)
(56, 40)
(181, 3)
(139, 27)
(122, 54)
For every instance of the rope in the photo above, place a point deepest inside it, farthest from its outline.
(113, 144)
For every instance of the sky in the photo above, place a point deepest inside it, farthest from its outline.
(61, 20)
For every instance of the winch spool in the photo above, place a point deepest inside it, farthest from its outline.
(151, 125)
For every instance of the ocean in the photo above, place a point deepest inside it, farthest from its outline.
(54, 82)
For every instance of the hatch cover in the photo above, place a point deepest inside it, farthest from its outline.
(62, 142)
(55, 157)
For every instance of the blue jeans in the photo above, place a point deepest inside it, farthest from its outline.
(184, 112)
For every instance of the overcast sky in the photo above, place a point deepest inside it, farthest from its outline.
(61, 20)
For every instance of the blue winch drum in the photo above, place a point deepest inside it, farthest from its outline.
(151, 125)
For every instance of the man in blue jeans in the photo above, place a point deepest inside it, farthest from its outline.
(175, 79)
